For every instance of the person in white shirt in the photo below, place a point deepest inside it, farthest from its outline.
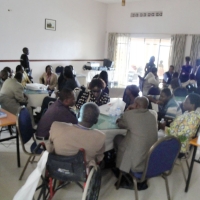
(151, 79)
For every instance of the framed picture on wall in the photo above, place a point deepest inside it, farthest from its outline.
(50, 24)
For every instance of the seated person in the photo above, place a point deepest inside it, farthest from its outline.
(58, 111)
(12, 94)
(132, 149)
(175, 82)
(3, 76)
(185, 126)
(95, 94)
(66, 139)
(67, 79)
(104, 76)
(10, 72)
(49, 78)
(151, 79)
(192, 81)
(167, 76)
(25, 78)
(168, 107)
(130, 93)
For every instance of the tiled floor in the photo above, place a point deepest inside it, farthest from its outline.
(9, 183)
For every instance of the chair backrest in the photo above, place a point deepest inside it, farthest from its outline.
(24, 125)
(161, 156)
(67, 168)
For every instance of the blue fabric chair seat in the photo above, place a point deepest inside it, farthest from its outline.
(33, 147)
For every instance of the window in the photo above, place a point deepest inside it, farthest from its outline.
(132, 54)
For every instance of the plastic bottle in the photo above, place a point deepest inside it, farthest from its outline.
(162, 121)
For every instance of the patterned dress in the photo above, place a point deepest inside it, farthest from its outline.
(184, 128)
(89, 97)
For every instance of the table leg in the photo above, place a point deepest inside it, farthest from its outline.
(190, 169)
(18, 152)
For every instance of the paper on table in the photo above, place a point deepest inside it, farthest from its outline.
(36, 86)
(105, 109)
(154, 106)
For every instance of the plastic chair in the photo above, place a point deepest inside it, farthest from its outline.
(159, 162)
(26, 132)
(186, 156)
(61, 170)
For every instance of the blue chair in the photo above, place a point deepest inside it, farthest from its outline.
(26, 132)
(160, 161)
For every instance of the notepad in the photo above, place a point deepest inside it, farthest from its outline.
(2, 114)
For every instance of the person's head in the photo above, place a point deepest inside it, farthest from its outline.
(175, 75)
(171, 69)
(152, 59)
(165, 95)
(132, 91)
(96, 86)
(48, 69)
(88, 114)
(104, 76)
(68, 73)
(18, 76)
(192, 102)
(67, 97)
(187, 59)
(140, 103)
(192, 77)
(154, 71)
(20, 68)
(4, 75)
(25, 50)
(9, 70)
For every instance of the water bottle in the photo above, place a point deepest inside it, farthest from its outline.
(162, 121)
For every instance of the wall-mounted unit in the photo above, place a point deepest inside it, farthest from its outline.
(147, 14)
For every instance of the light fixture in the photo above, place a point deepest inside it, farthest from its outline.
(123, 2)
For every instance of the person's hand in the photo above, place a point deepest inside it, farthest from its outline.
(159, 102)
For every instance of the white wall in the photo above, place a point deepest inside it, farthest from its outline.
(80, 31)
(179, 17)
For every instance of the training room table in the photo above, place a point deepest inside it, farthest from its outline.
(10, 120)
(107, 125)
(35, 97)
(195, 144)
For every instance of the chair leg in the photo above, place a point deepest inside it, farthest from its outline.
(119, 180)
(32, 160)
(167, 186)
(181, 164)
(20, 178)
(135, 188)
(187, 164)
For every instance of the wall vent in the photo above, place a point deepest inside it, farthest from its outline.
(147, 14)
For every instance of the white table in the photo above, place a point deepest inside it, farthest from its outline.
(107, 126)
(35, 97)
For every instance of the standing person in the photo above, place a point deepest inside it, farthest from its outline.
(49, 78)
(66, 138)
(24, 59)
(185, 70)
(160, 69)
(167, 76)
(149, 65)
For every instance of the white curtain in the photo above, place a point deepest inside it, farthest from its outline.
(177, 51)
(119, 52)
(195, 50)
